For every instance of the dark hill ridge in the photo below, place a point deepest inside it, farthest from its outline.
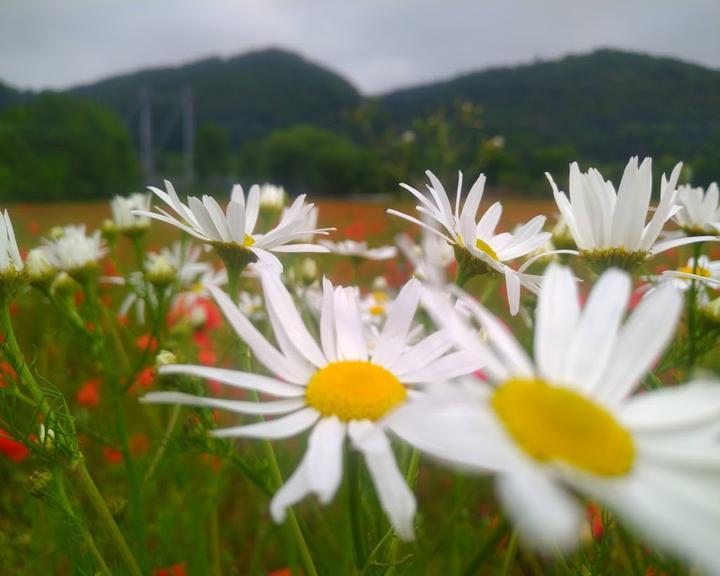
(607, 104)
(250, 95)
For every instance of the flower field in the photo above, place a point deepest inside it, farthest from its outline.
(442, 383)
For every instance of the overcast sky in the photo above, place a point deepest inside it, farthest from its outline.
(377, 44)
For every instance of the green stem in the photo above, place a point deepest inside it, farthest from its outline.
(78, 523)
(692, 310)
(510, 554)
(116, 393)
(164, 441)
(353, 473)
(87, 485)
(629, 551)
(215, 542)
(486, 549)
(410, 477)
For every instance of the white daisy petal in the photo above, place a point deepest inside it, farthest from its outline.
(268, 408)
(394, 333)
(395, 496)
(243, 380)
(351, 343)
(263, 350)
(676, 407)
(557, 316)
(287, 320)
(640, 342)
(592, 342)
(283, 427)
(545, 514)
(324, 458)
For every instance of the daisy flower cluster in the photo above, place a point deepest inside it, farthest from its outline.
(238, 367)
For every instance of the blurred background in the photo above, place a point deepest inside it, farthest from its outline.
(99, 97)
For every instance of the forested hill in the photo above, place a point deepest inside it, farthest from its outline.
(608, 104)
(250, 95)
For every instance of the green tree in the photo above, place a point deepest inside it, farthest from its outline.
(59, 147)
(306, 159)
(212, 151)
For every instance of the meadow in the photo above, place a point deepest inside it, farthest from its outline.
(97, 482)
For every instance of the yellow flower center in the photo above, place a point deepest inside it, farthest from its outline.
(486, 248)
(699, 271)
(380, 298)
(354, 390)
(249, 241)
(553, 424)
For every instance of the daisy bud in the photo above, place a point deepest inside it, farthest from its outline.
(165, 357)
(46, 437)
(39, 483)
(272, 197)
(12, 275)
(109, 230)
(711, 310)
(126, 220)
(159, 271)
(38, 266)
(308, 271)
(63, 285)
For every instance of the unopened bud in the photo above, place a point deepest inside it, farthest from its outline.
(109, 230)
(64, 285)
(308, 271)
(39, 482)
(159, 271)
(38, 266)
(165, 357)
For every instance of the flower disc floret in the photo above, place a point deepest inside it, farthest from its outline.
(555, 424)
(355, 390)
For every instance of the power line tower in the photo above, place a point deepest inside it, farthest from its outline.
(178, 114)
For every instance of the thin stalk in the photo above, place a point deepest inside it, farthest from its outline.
(116, 393)
(275, 474)
(629, 552)
(67, 508)
(410, 477)
(692, 310)
(215, 559)
(164, 441)
(87, 485)
(510, 554)
(486, 549)
(355, 509)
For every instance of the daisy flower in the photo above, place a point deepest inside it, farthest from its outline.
(699, 211)
(125, 219)
(568, 423)
(705, 272)
(359, 249)
(336, 388)
(232, 233)
(10, 260)
(12, 275)
(430, 259)
(74, 251)
(272, 197)
(610, 228)
(478, 249)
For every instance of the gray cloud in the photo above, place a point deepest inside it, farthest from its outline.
(377, 44)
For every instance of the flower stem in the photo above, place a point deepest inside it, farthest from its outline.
(692, 310)
(486, 549)
(87, 485)
(164, 441)
(353, 473)
(510, 554)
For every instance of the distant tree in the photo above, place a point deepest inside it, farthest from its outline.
(306, 159)
(212, 151)
(58, 148)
